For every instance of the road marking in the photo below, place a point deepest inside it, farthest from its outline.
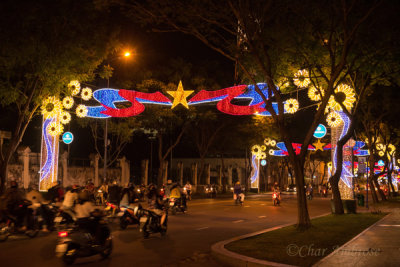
(262, 217)
(202, 228)
(263, 204)
(238, 221)
(395, 225)
(246, 206)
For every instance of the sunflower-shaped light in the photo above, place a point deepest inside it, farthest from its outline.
(263, 147)
(343, 94)
(380, 146)
(271, 152)
(81, 111)
(86, 93)
(301, 79)
(75, 87)
(381, 153)
(55, 129)
(391, 149)
(267, 141)
(256, 149)
(291, 105)
(314, 93)
(65, 117)
(329, 164)
(262, 155)
(68, 102)
(51, 107)
(333, 119)
(272, 143)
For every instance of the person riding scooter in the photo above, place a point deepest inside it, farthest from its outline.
(238, 195)
(155, 203)
(15, 206)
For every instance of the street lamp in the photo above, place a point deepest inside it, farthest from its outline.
(126, 54)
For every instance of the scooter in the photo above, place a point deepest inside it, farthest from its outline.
(239, 199)
(150, 223)
(131, 215)
(64, 219)
(275, 198)
(74, 243)
(176, 204)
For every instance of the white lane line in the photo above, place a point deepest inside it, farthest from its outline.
(390, 225)
(262, 217)
(202, 228)
(238, 221)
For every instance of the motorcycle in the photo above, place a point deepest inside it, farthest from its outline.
(150, 223)
(211, 192)
(276, 198)
(309, 195)
(112, 211)
(324, 193)
(73, 243)
(131, 215)
(238, 199)
(176, 204)
(9, 227)
(64, 219)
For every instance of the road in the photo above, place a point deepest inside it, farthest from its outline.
(187, 242)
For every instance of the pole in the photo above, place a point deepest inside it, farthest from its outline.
(366, 205)
(151, 159)
(105, 142)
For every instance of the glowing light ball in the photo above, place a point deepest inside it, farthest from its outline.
(301, 78)
(81, 111)
(271, 152)
(263, 162)
(86, 93)
(55, 129)
(65, 117)
(75, 87)
(291, 105)
(333, 119)
(51, 107)
(314, 94)
(68, 102)
(381, 153)
(272, 143)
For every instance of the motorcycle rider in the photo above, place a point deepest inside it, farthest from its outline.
(14, 200)
(188, 190)
(42, 207)
(237, 190)
(156, 204)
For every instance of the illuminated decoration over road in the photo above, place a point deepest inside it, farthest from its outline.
(86, 93)
(314, 94)
(302, 78)
(55, 128)
(344, 94)
(81, 111)
(318, 145)
(68, 102)
(291, 105)
(180, 96)
(65, 117)
(255, 172)
(74, 87)
(51, 107)
(334, 119)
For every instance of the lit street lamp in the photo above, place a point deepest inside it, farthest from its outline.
(126, 55)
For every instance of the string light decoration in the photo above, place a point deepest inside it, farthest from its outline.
(302, 78)
(68, 102)
(343, 94)
(291, 105)
(49, 156)
(315, 93)
(55, 129)
(74, 87)
(86, 93)
(51, 107)
(65, 117)
(81, 111)
(333, 119)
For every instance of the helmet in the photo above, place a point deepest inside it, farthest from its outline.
(83, 195)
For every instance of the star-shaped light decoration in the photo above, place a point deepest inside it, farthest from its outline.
(319, 146)
(180, 96)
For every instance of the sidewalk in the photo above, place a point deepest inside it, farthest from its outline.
(378, 245)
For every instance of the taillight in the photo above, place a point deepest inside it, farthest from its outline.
(62, 234)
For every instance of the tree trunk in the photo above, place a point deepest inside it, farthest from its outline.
(373, 191)
(303, 217)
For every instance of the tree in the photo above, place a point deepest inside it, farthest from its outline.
(45, 45)
(267, 40)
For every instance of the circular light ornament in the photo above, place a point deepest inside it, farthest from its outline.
(380, 146)
(333, 119)
(86, 93)
(262, 155)
(256, 149)
(81, 111)
(291, 105)
(391, 149)
(272, 143)
(381, 153)
(75, 87)
(329, 164)
(267, 141)
(301, 78)
(51, 107)
(65, 117)
(315, 93)
(343, 94)
(263, 147)
(68, 102)
(271, 152)
(55, 129)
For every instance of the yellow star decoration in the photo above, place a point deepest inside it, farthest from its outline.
(319, 146)
(180, 96)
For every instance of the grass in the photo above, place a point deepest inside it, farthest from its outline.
(305, 248)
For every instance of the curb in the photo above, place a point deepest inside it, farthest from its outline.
(220, 253)
(348, 242)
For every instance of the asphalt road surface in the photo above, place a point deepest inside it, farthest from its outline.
(188, 239)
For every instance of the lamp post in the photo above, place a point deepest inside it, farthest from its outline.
(126, 55)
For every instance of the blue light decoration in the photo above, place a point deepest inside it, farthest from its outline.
(263, 162)
(320, 131)
(49, 157)
(381, 163)
(67, 138)
(255, 172)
